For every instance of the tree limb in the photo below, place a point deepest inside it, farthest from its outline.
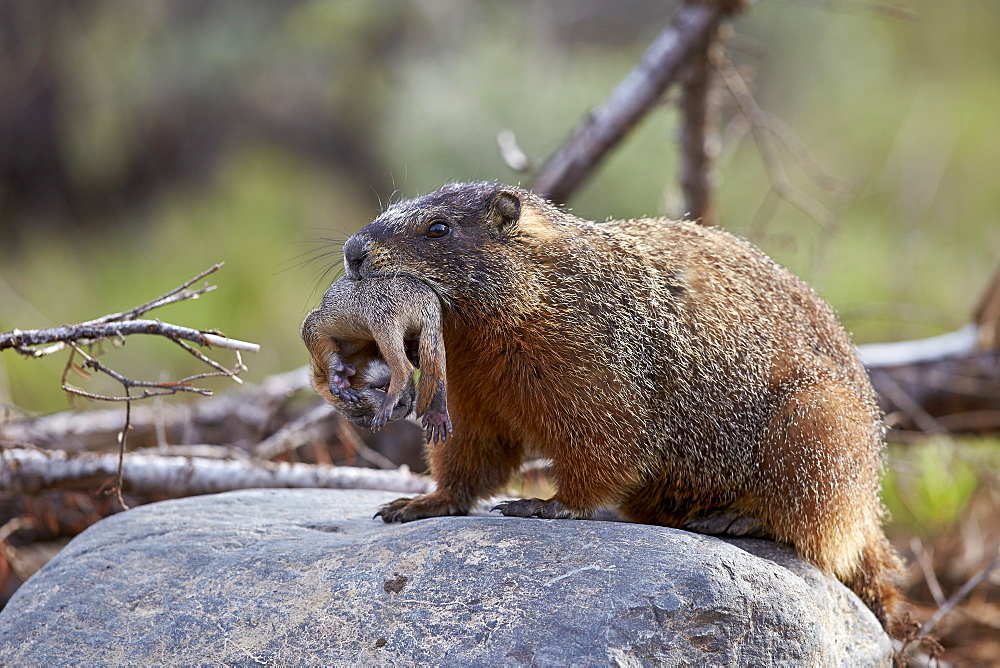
(691, 27)
(115, 327)
(960, 343)
(696, 160)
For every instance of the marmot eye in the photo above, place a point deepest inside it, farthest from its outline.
(438, 229)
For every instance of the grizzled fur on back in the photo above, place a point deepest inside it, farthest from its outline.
(666, 368)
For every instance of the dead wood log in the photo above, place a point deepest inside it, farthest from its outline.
(26, 471)
(240, 417)
(947, 383)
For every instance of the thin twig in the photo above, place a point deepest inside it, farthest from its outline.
(122, 439)
(927, 568)
(295, 434)
(866, 8)
(304, 430)
(895, 393)
(957, 597)
(762, 135)
(222, 371)
(158, 388)
(351, 440)
(116, 326)
(807, 162)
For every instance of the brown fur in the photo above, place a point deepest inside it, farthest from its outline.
(357, 345)
(666, 368)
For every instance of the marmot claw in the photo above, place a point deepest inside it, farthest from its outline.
(546, 509)
(418, 508)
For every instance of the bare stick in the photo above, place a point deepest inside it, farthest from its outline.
(960, 343)
(765, 145)
(305, 429)
(927, 567)
(691, 27)
(160, 388)
(809, 165)
(957, 597)
(892, 391)
(84, 333)
(116, 326)
(221, 370)
(295, 434)
(240, 416)
(120, 482)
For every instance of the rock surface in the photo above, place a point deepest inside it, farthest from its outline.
(307, 577)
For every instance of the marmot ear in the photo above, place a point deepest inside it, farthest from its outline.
(505, 211)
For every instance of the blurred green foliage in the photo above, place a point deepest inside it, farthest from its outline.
(929, 485)
(297, 118)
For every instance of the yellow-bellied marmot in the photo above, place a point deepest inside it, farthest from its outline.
(665, 368)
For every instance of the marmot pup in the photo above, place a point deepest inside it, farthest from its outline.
(360, 332)
(665, 368)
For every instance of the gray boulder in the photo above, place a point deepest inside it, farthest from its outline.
(307, 577)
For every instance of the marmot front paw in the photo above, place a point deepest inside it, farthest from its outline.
(407, 510)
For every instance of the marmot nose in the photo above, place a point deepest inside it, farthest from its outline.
(355, 252)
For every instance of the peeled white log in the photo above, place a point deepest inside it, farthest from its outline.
(27, 471)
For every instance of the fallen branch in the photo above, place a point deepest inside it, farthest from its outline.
(960, 343)
(239, 417)
(941, 384)
(25, 471)
(926, 564)
(115, 327)
(313, 427)
(692, 26)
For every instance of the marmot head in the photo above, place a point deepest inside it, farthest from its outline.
(466, 241)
